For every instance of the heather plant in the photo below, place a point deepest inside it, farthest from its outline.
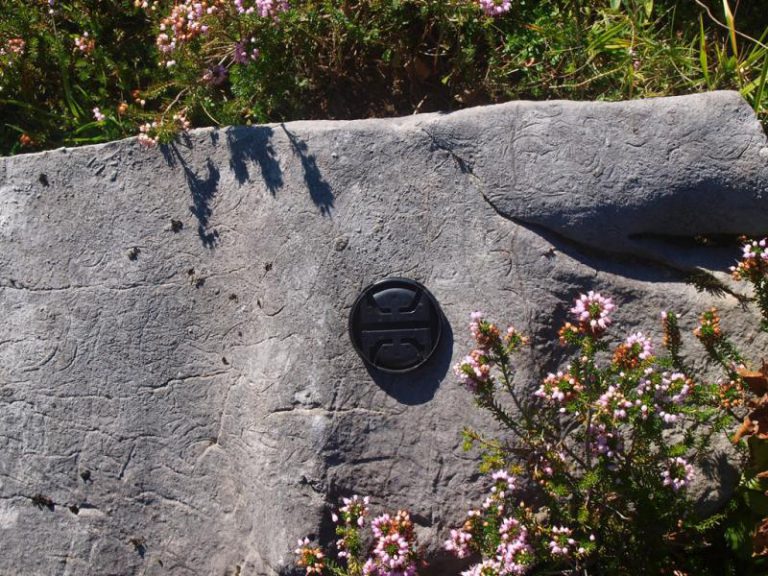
(602, 452)
(390, 552)
(597, 474)
(84, 71)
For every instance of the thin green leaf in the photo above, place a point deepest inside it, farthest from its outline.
(757, 102)
(703, 60)
(731, 27)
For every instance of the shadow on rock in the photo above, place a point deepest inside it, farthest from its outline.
(202, 190)
(254, 146)
(319, 190)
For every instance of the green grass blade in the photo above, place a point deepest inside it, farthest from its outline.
(703, 53)
(28, 106)
(758, 100)
(731, 27)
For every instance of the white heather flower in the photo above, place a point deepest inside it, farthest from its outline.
(678, 474)
(495, 7)
(459, 543)
(644, 343)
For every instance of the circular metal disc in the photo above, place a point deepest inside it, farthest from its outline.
(395, 325)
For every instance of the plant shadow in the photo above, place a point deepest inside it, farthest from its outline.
(254, 145)
(202, 191)
(319, 190)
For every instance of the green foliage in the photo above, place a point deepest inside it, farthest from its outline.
(350, 59)
(49, 89)
(603, 450)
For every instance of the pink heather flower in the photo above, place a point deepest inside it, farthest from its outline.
(392, 551)
(495, 7)
(459, 543)
(394, 547)
(380, 525)
(753, 261)
(310, 557)
(271, 8)
(474, 324)
(678, 474)
(669, 393)
(514, 557)
(592, 311)
(559, 388)
(503, 482)
(146, 138)
(613, 402)
(755, 249)
(489, 567)
(604, 441)
(486, 335)
(561, 544)
(14, 46)
(511, 529)
(181, 121)
(183, 24)
(473, 370)
(240, 56)
(643, 344)
(85, 43)
(354, 511)
(544, 461)
(98, 115)
(513, 552)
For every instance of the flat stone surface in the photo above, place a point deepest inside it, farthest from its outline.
(178, 392)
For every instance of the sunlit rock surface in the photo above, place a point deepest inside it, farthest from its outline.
(178, 393)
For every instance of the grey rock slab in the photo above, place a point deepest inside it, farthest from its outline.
(178, 393)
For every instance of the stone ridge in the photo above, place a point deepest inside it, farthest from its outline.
(178, 394)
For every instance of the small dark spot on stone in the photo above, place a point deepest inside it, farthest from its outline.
(160, 562)
(239, 334)
(74, 509)
(268, 266)
(233, 297)
(200, 282)
(43, 179)
(258, 302)
(85, 475)
(224, 360)
(190, 272)
(133, 253)
(176, 225)
(140, 545)
(13, 282)
(43, 502)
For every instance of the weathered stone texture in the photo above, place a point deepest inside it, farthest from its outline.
(188, 399)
